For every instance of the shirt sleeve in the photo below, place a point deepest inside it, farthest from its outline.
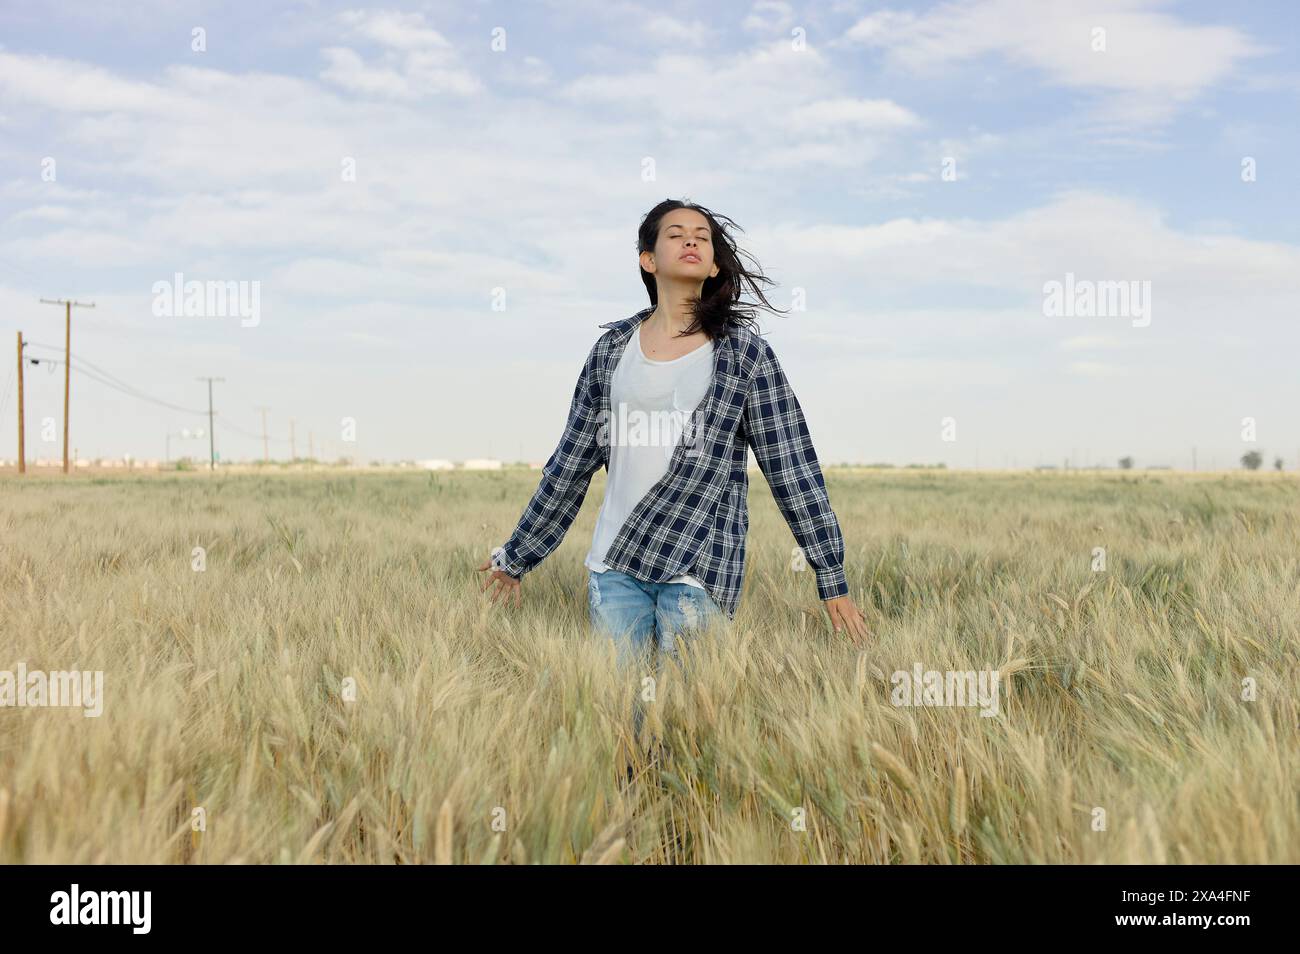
(565, 480)
(775, 429)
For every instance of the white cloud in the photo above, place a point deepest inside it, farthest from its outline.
(1154, 60)
(70, 86)
(402, 31)
(768, 17)
(666, 29)
(417, 61)
(346, 69)
(843, 112)
(1094, 235)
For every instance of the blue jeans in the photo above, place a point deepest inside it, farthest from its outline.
(642, 618)
(646, 620)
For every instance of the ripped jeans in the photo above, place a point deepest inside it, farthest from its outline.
(645, 620)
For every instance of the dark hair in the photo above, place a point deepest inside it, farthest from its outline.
(719, 308)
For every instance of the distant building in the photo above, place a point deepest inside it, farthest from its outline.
(482, 463)
(437, 465)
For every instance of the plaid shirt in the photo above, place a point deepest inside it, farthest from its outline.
(695, 518)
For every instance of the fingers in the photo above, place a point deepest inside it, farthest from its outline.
(508, 587)
(857, 630)
(501, 586)
(846, 620)
(857, 626)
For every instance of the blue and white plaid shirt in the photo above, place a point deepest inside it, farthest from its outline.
(694, 520)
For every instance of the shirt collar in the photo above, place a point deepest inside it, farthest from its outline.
(631, 321)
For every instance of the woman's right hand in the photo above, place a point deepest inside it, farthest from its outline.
(505, 584)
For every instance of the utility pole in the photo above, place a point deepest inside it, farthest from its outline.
(212, 447)
(67, 360)
(22, 434)
(293, 448)
(266, 451)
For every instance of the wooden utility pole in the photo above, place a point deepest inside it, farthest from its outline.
(212, 447)
(266, 445)
(22, 432)
(67, 361)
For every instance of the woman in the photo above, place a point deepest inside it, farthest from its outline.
(670, 400)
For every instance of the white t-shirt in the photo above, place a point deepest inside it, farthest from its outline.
(650, 403)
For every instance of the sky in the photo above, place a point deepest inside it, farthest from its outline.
(437, 205)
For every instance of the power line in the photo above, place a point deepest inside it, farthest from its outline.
(117, 385)
(102, 376)
(81, 360)
(250, 434)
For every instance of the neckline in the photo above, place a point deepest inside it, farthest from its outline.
(636, 333)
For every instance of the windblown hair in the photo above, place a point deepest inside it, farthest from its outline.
(719, 307)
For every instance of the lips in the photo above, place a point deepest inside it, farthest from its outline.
(690, 257)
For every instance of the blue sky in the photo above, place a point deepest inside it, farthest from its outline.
(517, 174)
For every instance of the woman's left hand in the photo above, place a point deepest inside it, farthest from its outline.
(845, 616)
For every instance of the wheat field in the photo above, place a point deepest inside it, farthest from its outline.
(324, 683)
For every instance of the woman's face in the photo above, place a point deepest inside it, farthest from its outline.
(684, 249)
